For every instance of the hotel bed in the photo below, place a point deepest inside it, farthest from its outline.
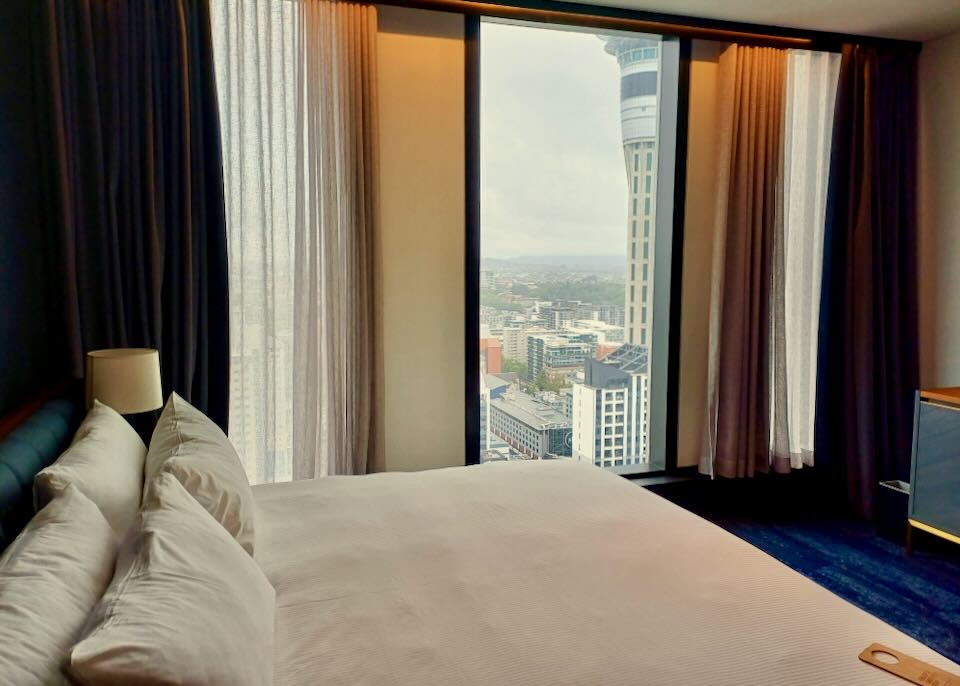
(544, 572)
(532, 573)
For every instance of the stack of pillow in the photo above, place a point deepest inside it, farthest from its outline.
(138, 567)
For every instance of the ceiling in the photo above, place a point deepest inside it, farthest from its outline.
(918, 20)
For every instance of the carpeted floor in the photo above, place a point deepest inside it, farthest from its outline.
(920, 595)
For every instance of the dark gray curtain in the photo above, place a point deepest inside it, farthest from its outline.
(138, 197)
(867, 357)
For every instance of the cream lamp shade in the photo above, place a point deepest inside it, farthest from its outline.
(126, 379)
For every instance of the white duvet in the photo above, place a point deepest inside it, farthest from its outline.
(540, 573)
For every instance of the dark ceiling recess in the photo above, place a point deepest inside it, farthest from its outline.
(620, 19)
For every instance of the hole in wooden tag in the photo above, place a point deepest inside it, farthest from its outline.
(885, 657)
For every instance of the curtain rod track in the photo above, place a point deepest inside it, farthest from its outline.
(620, 19)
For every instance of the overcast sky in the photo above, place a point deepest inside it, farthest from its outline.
(552, 172)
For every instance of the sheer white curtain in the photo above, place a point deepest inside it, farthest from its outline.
(776, 121)
(811, 89)
(296, 85)
(334, 428)
(255, 51)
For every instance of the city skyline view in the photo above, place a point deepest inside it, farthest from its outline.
(568, 223)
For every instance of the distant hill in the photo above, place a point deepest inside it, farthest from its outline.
(594, 263)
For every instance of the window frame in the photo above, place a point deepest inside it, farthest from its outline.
(663, 415)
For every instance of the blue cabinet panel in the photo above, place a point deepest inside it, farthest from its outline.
(935, 483)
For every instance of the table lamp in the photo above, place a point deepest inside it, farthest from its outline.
(125, 379)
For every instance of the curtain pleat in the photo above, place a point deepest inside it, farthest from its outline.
(808, 124)
(749, 214)
(256, 51)
(139, 200)
(776, 110)
(297, 85)
(334, 262)
(868, 368)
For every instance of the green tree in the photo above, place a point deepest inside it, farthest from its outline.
(496, 301)
(516, 366)
(545, 383)
(589, 289)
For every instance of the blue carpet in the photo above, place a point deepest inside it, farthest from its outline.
(919, 595)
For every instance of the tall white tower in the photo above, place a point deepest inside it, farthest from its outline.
(639, 60)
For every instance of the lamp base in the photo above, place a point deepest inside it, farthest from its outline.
(143, 423)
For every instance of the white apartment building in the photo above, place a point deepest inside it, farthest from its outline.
(610, 409)
(605, 333)
(515, 341)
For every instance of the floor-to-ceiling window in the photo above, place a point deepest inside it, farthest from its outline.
(577, 144)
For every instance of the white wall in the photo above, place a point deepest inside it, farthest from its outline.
(421, 67)
(939, 267)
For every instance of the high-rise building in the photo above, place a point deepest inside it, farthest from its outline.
(639, 60)
(605, 333)
(610, 409)
(491, 355)
(611, 314)
(514, 343)
(558, 317)
(558, 354)
(515, 340)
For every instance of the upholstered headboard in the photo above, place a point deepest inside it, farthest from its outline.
(32, 438)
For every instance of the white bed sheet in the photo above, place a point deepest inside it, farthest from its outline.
(540, 573)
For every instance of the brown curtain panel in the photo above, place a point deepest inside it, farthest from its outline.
(748, 221)
(298, 102)
(137, 186)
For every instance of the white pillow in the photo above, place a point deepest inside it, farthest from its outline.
(51, 577)
(186, 606)
(194, 449)
(105, 461)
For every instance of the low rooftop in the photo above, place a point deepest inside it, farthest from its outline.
(530, 411)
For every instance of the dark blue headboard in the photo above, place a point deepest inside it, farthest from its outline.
(36, 440)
